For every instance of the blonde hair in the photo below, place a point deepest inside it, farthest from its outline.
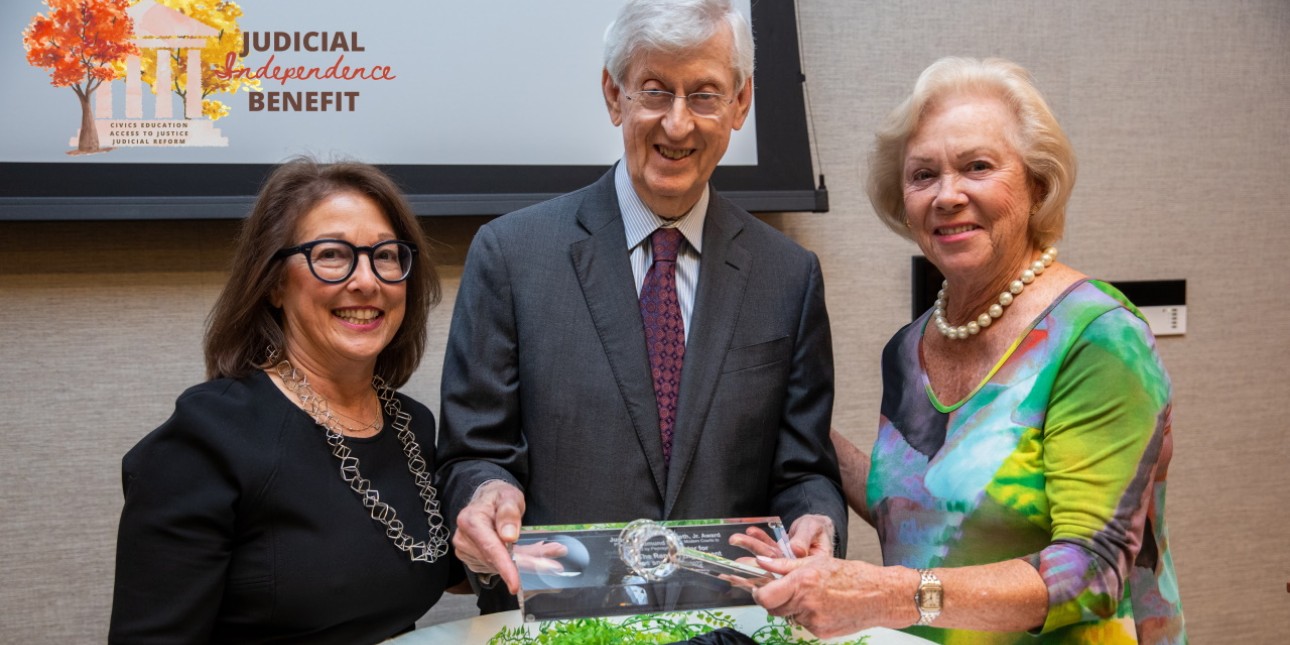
(1043, 146)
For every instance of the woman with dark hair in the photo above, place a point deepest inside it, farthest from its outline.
(289, 497)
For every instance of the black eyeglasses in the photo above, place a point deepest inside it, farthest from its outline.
(333, 261)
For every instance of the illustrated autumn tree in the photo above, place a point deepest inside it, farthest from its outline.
(219, 15)
(83, 43)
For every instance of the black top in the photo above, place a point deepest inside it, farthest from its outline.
(238, 528)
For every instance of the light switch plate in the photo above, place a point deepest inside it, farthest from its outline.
(1166, 320)
(1163, 302)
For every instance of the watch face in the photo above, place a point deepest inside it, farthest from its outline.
(929, 597)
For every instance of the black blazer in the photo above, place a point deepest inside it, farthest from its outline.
(238, 528)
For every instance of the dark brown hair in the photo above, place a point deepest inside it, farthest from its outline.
(244, 323)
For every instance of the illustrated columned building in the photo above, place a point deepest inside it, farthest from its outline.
(163, 30)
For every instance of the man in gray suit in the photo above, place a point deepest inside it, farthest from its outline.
(642, 348)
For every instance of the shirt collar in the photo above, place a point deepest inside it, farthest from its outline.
(639, 221)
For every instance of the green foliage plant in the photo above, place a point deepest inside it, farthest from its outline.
(648, 629)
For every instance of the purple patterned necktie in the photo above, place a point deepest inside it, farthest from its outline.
(664, 330)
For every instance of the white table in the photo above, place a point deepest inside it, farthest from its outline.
(477, 630)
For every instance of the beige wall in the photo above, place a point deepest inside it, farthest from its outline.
(1180, 114)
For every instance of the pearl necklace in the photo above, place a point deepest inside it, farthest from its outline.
(996, 310)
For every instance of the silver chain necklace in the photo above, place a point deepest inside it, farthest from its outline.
(316, 406)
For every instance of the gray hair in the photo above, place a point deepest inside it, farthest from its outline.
(1044, 148)
(675, 26)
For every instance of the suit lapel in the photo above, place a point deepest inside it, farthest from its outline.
(604, 271)
(723, 276)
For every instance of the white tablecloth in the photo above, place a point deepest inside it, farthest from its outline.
(477, 630)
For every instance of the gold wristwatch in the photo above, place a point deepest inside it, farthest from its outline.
(929, 597)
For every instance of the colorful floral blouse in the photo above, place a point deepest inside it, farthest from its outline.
(1058, 458)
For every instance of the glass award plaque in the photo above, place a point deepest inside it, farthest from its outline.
(641, 567)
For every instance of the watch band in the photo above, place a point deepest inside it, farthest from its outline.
(929, 597)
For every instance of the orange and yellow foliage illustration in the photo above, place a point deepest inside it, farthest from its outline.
(83, 43)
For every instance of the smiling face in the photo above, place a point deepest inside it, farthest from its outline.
(670, 155)
(335, 328)
(967, 192)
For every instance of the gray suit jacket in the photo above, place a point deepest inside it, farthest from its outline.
(546, 379)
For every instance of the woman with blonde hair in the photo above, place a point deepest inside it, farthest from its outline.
(1017, 483)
